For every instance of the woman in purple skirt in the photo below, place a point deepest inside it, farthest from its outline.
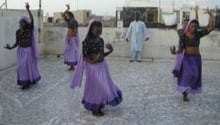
(180, 33)
(99, 88)
(71, 54)
(189, 69)
(27, 52)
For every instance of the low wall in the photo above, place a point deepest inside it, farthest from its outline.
(157, 47)
(53, 38)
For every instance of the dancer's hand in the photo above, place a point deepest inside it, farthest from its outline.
(7, 46)
(98, 58)
(211, 25)
(67, 7)
(109, 46)
(147, 39)
(196, 8)
(101, 58)
(180, 33)
(27, 6)
(173, 50)
(207, 11)
(127, 40)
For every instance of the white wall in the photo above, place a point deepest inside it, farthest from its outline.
(9, 24)
(156, 47)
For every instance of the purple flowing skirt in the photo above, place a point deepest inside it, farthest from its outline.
(189, 76)
(177, 65)
(71, 54)
(27, 70)
(99, 88)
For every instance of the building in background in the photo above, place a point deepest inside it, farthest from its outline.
(165, 12)
(217, 19)
(108, 21)
(127, 15)
(82, 16)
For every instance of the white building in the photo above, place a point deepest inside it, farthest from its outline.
(171, 12)
(173, 4)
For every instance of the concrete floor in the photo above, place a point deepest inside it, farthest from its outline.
(149, 93)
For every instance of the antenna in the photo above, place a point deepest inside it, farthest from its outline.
(159, 12)
(77, 4)
(40, 4)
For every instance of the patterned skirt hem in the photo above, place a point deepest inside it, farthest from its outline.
(28, 82)
(95, 107)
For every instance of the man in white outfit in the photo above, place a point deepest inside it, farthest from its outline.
(137, 34)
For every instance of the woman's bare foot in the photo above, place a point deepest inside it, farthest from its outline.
(185, 98)
(71, 68)
(98, 113)
(25, 87)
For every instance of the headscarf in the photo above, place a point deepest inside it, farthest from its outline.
(186, 30)
(70, 14)
(34, 47)
(78, 75)
(88, 28)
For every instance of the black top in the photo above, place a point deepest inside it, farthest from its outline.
(195, 41)
(24, 37)
(91, 47)
(72, 24)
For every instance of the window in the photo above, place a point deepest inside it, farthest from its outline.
(186, 15)
(150, 17)
(88, 14)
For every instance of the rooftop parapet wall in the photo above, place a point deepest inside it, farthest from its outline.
(156, 47)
